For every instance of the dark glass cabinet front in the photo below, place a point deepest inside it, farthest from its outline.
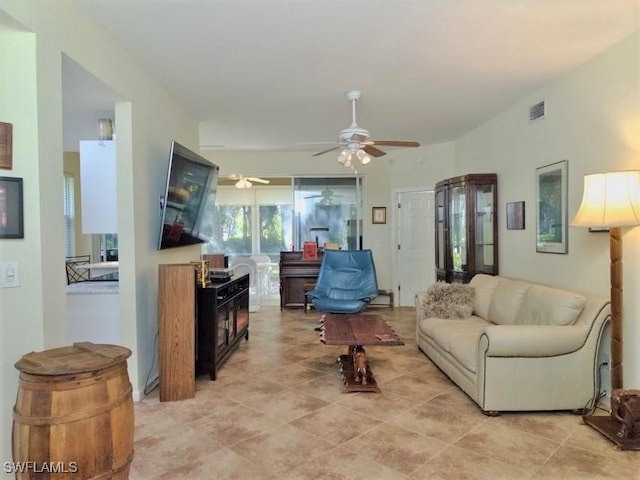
(466, 227)
(223, 320)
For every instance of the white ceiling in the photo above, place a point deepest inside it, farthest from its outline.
(271, 74)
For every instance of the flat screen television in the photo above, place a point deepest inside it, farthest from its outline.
(188, 204)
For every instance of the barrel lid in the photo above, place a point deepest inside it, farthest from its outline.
(78, 358)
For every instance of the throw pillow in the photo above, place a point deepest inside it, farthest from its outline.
(449, 300)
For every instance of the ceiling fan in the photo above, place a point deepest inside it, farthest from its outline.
(247, 182)
(326, 197)
(355, 141)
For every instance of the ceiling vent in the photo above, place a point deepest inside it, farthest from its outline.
(537, 111)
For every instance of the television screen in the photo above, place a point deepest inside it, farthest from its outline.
(188, 205)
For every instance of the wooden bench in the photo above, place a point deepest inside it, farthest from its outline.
(384, 293)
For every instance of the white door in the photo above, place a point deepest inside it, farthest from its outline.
(415, 244)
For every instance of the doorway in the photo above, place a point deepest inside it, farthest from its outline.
(414, 243)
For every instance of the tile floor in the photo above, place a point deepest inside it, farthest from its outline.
(277, 412)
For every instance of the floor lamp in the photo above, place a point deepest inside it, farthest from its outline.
(612, 200)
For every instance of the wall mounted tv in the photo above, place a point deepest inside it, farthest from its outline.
(188, 204)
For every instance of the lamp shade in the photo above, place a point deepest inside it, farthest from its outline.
(610, 199)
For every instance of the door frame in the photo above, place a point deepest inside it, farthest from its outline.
(395, 267)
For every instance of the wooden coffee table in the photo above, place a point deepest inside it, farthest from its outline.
(355, 331)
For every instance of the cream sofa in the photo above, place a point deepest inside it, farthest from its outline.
(526, 346)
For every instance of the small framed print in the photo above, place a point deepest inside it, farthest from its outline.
(11, 215)
(515, 216)
(6, 134)
(379, 215)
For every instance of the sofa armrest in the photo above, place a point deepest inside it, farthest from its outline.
(532, 340)
(420, 299)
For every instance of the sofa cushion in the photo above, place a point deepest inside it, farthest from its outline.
(544, 305)
(484, 286)
(444, 332)
(464, 348)
(506, 301)
(448, 300)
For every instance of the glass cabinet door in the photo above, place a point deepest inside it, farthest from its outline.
(484, 232)
(440, 229)
(223, 326)
(458, 228)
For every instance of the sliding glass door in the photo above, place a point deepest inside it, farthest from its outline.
(328, 210)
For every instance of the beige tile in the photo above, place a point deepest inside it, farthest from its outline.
(507, 445)
(383, 406)
(336, 424)
(570, 463)
(555, 426)
(221, 464)
(230, 423)
(174, 448)
(293, 374)
(288, 405)
(444, 424)
(410, 386)
(281, 449)
(456, 463)
(396, 447)
(342, 463)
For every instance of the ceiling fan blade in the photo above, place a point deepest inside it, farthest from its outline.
(395, 143)
(326, 151)
(357, 137)
(258, 180)
(373, 151)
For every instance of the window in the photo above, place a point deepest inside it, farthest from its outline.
(275, 230)
(328, 210)
(234, 230)
(69, 217)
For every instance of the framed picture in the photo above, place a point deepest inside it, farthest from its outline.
(551, 208)
(379, 215)
(11, 214)
(6, 136)
(515, 216)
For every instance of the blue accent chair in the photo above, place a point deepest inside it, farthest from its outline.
(346, 282)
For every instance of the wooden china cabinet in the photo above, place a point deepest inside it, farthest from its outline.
(466, 227)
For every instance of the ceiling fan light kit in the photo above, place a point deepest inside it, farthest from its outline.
(355, 141)
(243, 183)
(247, 182)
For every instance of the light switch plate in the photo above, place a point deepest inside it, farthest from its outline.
(9, 275)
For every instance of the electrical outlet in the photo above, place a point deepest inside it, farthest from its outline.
(9, 275)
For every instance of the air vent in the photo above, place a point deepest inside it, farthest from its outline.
(537, 111)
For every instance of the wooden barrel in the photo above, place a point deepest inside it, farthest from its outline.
(73, 416)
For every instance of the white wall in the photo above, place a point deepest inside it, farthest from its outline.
(593, 121)
(21, 308)
(34, 314)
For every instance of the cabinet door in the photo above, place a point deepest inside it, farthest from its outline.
(485, 228)
(222, 322)
(242, 313)
(458, 228)
(440, 231)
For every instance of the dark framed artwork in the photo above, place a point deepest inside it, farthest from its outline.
(379, 215)
(551, 208)
(515, 216)
(11, 210)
